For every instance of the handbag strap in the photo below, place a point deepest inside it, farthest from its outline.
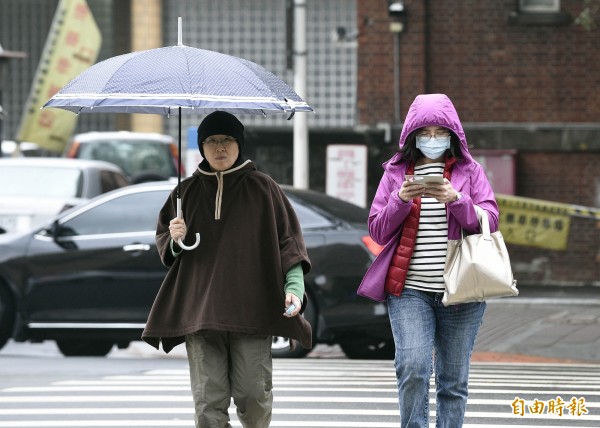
(482, 215)
(484, 224)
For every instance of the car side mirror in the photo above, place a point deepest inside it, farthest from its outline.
(55, 229)
(58, 231)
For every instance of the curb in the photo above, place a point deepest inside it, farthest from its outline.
(500, 357)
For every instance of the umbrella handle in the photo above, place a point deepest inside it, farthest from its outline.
(180, 241)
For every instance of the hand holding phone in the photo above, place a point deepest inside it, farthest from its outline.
(289, 310)
(419, 185)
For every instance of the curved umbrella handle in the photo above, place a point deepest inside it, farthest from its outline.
(180, 241)
(189, 247)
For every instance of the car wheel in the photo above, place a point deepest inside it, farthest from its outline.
(368, 349)
(7, 316)
(84, 347)
(281, 345)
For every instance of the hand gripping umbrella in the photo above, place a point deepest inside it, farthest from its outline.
(175, 80)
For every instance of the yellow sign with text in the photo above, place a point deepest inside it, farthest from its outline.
(72, 46)
(533, 222)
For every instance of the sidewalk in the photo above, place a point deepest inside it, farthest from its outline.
(542, 324)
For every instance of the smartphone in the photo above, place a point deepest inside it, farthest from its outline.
(425, 179)
(290, 309)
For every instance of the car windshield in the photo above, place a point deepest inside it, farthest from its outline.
(316, 210)
(134, 157)
(40, 181)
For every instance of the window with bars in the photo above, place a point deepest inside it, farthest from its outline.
(256, 31)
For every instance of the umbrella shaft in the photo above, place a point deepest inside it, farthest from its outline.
(179, 157)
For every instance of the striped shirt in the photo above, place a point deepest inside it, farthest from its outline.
(426, 268)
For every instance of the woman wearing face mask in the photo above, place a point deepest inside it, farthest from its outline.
(414, 222)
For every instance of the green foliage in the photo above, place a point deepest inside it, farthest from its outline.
(587, 17)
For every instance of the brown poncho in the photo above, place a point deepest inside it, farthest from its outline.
(233, 281)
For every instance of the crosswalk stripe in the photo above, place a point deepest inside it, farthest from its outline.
(474, 376)
(515, 387)
(568, 388)
(103, 423)
(274, 424)
(143, 398)
(100, 411)
(472, 401)
(93, 386)
(282, 411)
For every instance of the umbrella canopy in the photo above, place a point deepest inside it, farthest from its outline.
(161, 80)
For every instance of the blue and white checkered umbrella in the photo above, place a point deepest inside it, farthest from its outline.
(175, 80)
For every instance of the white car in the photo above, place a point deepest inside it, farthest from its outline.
(35, 189)
(143, 156)
(12, 149)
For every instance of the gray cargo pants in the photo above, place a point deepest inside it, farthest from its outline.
(225, 365)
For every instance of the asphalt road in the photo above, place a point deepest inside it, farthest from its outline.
(542, 324)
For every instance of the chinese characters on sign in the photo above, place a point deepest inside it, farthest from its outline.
(347, 173)
(71, 47)
(558, 407)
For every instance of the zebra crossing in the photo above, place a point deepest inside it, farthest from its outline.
(313, 393)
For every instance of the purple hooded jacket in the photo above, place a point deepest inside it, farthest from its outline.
(388, 211)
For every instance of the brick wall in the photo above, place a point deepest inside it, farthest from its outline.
(375, 100)
(493, 70)
(569, 178)
(533, 88)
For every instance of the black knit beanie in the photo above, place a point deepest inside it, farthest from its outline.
(221, 123)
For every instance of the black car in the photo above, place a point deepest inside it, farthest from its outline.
(87, 279)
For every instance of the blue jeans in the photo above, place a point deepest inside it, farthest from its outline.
(422, 326)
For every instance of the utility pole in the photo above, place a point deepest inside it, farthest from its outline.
(397, 11)
(4, 57)
(300, 120)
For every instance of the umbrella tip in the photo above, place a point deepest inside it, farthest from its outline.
(179, 32)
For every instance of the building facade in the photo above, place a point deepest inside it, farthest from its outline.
(523, 79)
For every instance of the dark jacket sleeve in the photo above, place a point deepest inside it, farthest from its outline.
(388, 211)
(291, 240)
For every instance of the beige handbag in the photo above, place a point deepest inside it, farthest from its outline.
(478, 267)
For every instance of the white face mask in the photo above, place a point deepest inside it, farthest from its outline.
(433, 148)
